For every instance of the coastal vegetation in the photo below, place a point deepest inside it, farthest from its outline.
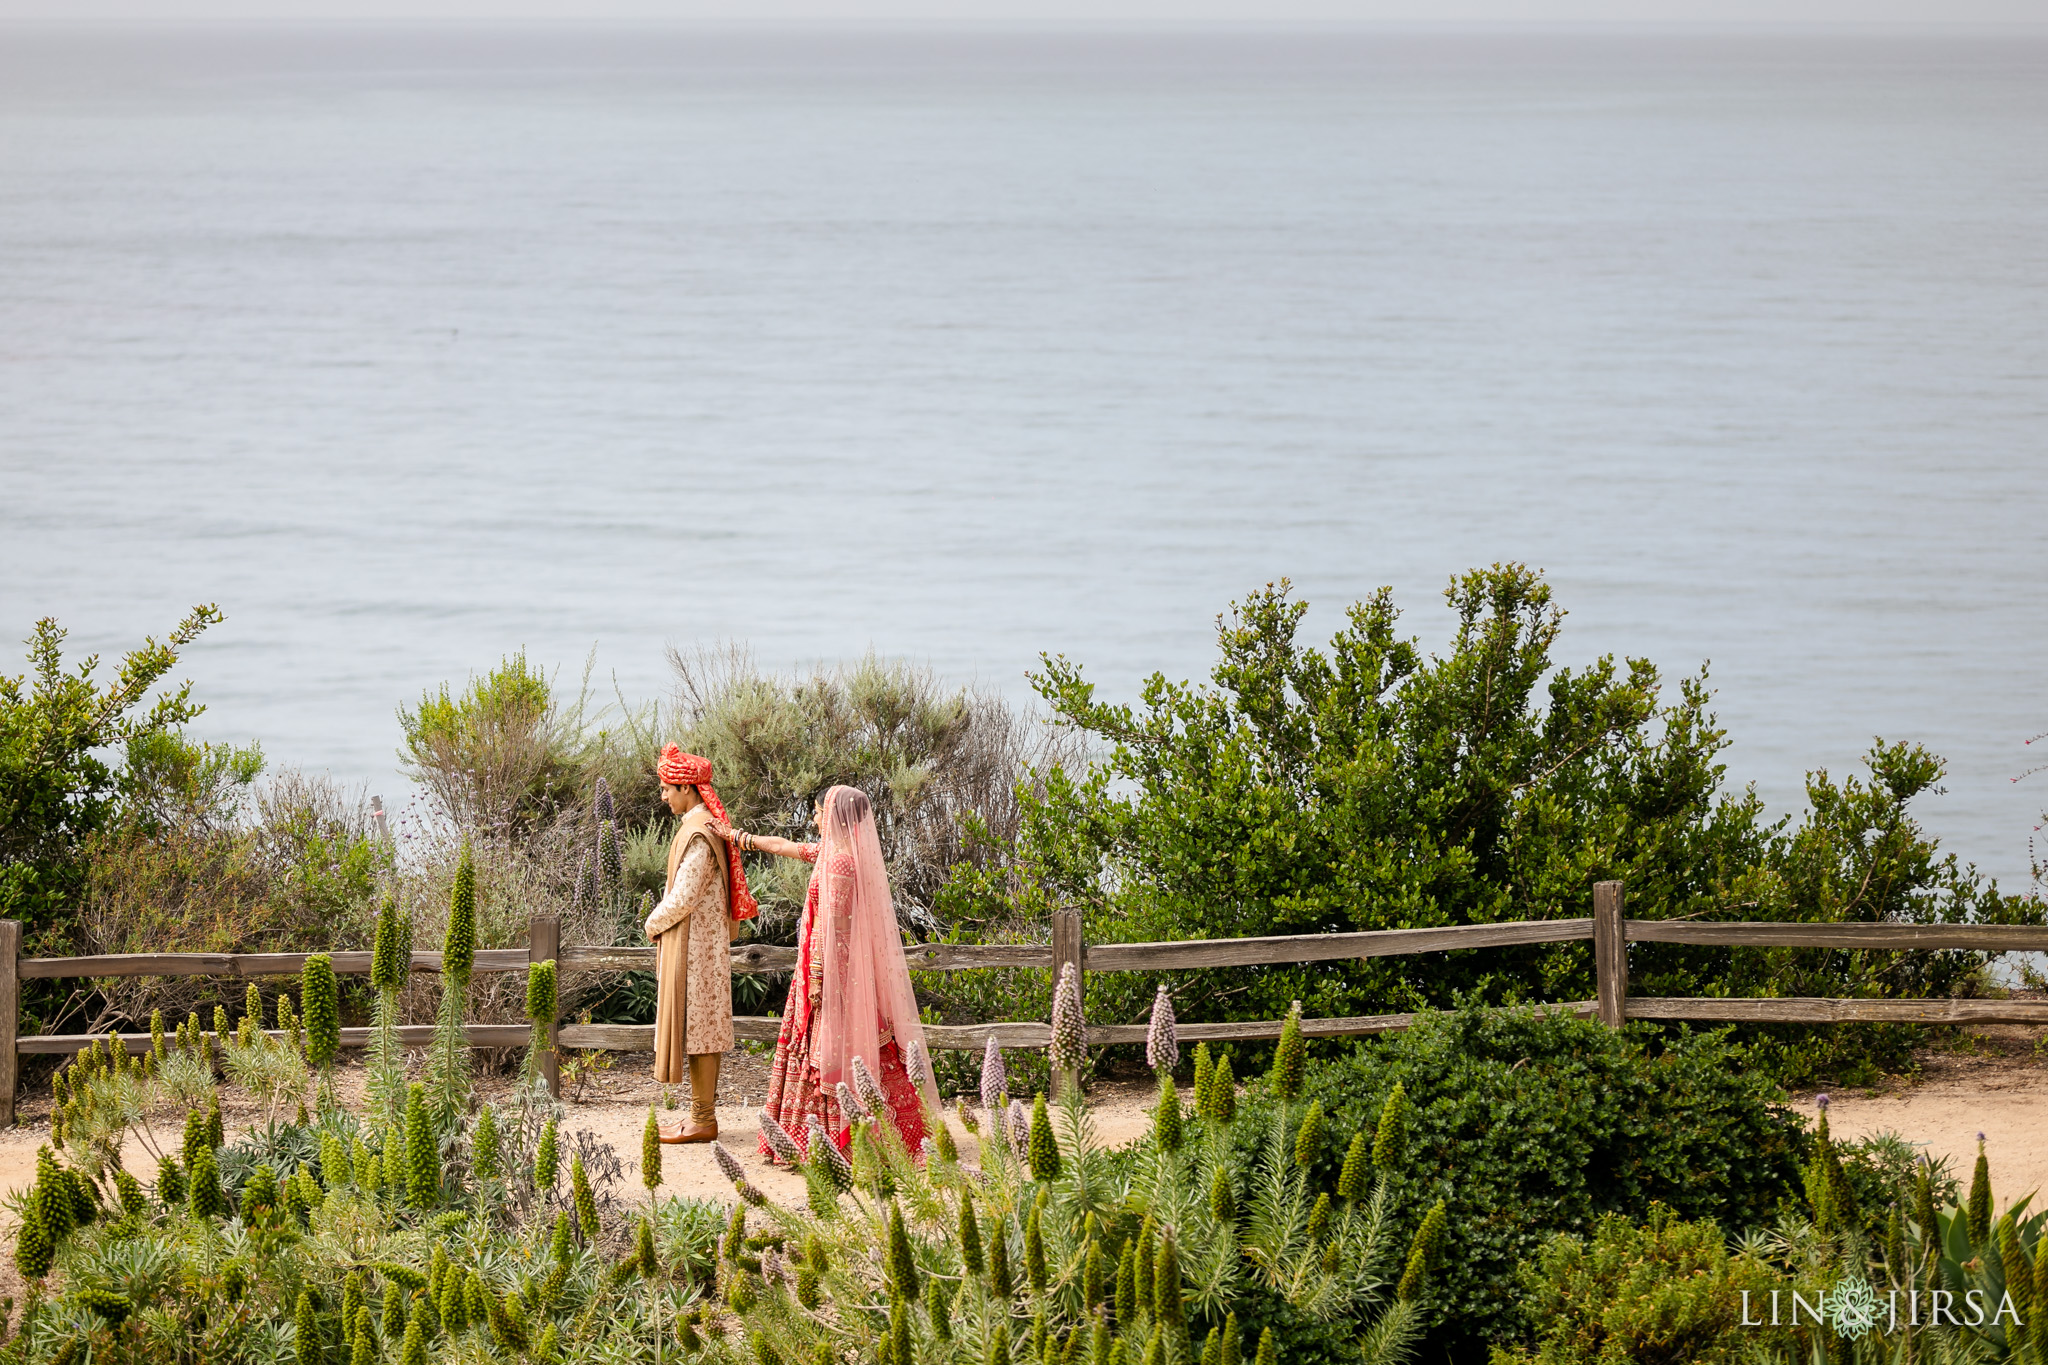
(1494, 1182)
(1365, 784)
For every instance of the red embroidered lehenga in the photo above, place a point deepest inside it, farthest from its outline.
(850, 996)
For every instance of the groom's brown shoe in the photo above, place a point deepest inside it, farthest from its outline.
(696, 1133)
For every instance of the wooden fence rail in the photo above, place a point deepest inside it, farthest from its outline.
(1609, 930)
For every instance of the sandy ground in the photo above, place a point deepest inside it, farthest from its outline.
(610, 1104)
(1997, 1084)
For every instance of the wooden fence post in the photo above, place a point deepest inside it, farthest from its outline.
(1610, 953)
(10, 1016)
(1067, 947)
(544, 944)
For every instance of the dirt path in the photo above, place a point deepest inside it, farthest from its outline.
(611, 1105)
(2000, 1089)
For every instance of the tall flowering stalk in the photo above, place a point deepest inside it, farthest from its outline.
(995, 1078)
(542, 1007)
(1162, 1039)
(448, 1065)
(320, 993)
(384, 1079)
(1069, 1045)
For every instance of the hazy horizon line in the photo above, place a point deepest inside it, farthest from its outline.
(821, 23)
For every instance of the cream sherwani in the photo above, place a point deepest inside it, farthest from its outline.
(692, 931)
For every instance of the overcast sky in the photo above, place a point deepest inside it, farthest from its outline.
(1145, 12)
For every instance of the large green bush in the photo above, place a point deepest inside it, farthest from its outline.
(1531, 1125)
(1372, 785)
(57, 791)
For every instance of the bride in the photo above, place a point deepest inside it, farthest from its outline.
(850, 999)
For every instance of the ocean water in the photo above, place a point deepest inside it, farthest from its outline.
(411, 348)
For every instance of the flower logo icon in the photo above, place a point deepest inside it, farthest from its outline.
(1852, 1306)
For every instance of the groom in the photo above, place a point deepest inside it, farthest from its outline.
(705, 899)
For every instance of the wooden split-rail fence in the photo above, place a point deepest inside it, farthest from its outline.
(1609, 930)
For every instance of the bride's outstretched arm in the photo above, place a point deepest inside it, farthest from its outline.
(765, 843)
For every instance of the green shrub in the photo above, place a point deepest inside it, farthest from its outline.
(301, 877)
(1532, 1124)
(495, 755)
(56, 791)
(938, 763)
(1663, 1293)
(1371, 786)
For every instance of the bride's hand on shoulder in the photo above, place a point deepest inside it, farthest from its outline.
(721, 829)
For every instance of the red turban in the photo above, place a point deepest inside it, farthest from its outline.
(679, 769)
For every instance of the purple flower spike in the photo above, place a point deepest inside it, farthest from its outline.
(822, 1145)
(869, 1089)
(995, 1077)
(1069, 1029)
(779, 1140)
(728, 1164)
(1162, 1042)
(1020, 1128)
(851, 1107)
(1822, 1101)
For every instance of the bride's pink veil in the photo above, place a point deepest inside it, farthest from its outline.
(867, 998)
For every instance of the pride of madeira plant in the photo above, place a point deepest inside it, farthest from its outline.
(421, 1237)
(1046, 1254)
